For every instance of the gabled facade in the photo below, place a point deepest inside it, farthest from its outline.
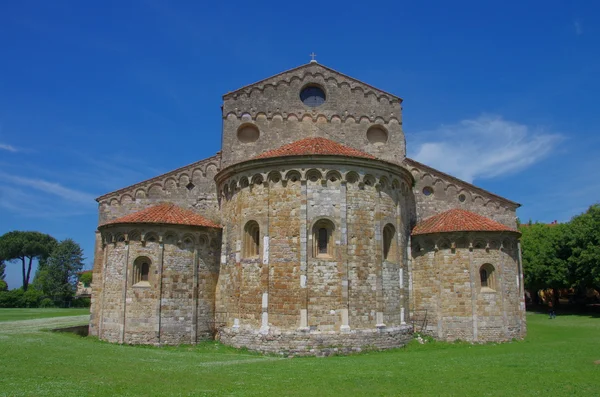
(310, 232)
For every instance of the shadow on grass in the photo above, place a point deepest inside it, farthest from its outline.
(589, 310)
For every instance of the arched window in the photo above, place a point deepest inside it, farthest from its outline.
(323, 238)
(389, 243)
(141, 272)
(487, 277)
(251, 239)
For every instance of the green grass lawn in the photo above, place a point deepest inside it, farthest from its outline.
(27, 314)
(556, 359)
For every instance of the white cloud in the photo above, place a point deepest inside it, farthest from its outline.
(578, 26)
(53, 188)
(485, 147)
(8, 147)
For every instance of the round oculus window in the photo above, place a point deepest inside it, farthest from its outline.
(377, 135)
(427, 190)
(248, 133)
(312, 96)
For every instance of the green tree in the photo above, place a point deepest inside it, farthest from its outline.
(86, 278)
(545, 255)
(26, 246)
(583, 239)
(3, 285)
(57, 276)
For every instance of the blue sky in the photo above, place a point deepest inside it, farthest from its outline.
(95, 96)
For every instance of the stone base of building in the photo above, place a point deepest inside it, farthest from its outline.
(314, 343)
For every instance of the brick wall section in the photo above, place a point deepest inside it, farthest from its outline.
(448, 300)
(287, 279)
(446, 192)
(275, 108)
(97, 285)
(176, 305)
(171, 187)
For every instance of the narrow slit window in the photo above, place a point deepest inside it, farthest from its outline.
(145, 271)
(322, 234)
(141, 272)
(323, 240)
(484, 277)
(251, 246)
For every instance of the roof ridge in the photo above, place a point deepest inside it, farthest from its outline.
(312, 146)
(470, 185)
(308, 65)
(157, 177)
(459, 220)
(164, 213)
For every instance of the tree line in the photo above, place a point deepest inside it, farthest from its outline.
(565, 255)
(55, 281)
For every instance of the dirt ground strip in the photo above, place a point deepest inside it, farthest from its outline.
(27, 326)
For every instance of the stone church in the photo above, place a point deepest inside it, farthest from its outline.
(309, 232)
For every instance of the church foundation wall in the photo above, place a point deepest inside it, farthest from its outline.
(307, 343)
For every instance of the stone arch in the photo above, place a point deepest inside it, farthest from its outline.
(155, 190)
(119, 237)
(487, 276)
(140, 193)
(443, 243)
(313, 175)
(494, 244)
(107, 237)
(333, 176)
(479, 243)
(171, 237)
(369, 180)
(466, 194)
(170, 184)
(151, 237)
(233, 186)
(184, 179)
(257, 179)
(211, 170)
(384, 183)
(126, 198)
(188, 241)
(244, 183)
(293, 176)
(274, 177)
(352, 177)
(322, 232)
(251, 239)
(141, 273)
(134, 235)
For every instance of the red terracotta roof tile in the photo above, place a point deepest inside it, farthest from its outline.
(165, 213)
(309, 146)
(458, 220)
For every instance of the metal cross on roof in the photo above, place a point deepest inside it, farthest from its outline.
(313, 56)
